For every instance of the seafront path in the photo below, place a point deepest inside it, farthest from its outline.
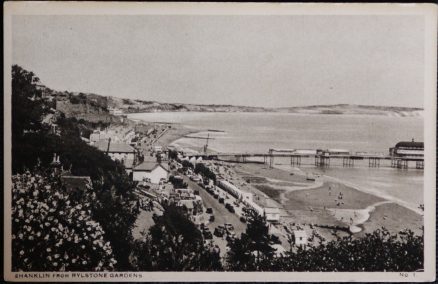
(221, 215)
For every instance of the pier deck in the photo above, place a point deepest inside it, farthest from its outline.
(322, 160)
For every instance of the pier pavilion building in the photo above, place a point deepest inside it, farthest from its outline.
(407, 149)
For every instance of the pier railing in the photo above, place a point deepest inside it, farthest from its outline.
(320, 159)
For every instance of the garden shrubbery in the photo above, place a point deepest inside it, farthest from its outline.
(51, 231)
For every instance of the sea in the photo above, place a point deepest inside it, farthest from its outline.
(243, 132)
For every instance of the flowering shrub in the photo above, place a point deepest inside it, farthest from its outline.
(52, 231)
(377, 251)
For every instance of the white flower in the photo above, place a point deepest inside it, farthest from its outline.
(48, 249)
(21, 252)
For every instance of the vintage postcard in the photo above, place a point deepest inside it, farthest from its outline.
(219, 142)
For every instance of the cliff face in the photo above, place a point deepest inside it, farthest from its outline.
(71, 110)
(95, 106)
(130, 106)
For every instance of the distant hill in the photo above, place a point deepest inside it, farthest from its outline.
(133, 106)
(77, 104)
(356, 109)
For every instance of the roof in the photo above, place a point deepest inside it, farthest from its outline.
(129, 163)
(149, 164)
(115, 147)
(410, 144)
(146, 166)
(279, 248)
(300, 233)
(187, 203)
(76, 182)
(49, 119)
(271, 210)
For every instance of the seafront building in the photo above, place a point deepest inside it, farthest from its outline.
(121, 152)
(407, 149)
(299, 237)
(271, 214)
(235, 191)
(150, 170)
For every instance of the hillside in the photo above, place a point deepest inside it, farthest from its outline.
(96, 107)
(132, 106)
(356, 109)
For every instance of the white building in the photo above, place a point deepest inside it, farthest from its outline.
(115, 111)
(235, 191)
(300, 237)
(158, 148)
(121, 152)
(272, 214)
(150, 171)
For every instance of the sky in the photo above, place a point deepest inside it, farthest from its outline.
(270, 61)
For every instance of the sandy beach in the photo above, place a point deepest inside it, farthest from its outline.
(328, 203)
(324, 202)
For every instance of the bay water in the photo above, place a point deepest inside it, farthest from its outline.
(243, 132)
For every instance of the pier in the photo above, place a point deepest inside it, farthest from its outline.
(320, 159)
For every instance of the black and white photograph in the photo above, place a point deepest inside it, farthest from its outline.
(215, 138)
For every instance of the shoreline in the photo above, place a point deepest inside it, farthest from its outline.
(360, 210)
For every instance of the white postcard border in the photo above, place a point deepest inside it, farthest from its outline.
(429, 11)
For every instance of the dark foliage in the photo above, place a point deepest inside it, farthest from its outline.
(174, 243)
(205, 171)
(186, 164)
(379, 251)
(33, 144)
(252, 251)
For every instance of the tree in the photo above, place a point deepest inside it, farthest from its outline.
(177, 182)
(252, 252)
(51, 231)
(173, 154)
(175, 244)
(27, 112)
(186, 164)
(32, 144)
(205, 171)
(378, 251)
(27, 106)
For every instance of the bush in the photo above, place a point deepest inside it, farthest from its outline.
(33, 144)
(379, 251)
(51, 231)
(175, 244)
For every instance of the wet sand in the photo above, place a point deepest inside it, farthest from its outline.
(174, 133)
(318, 202)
